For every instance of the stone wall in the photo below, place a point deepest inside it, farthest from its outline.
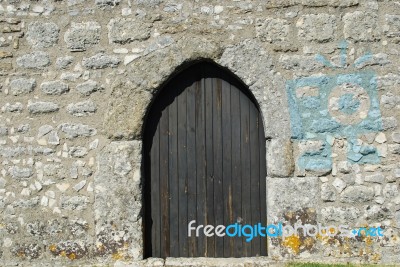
(77, 78)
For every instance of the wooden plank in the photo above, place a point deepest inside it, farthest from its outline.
(210, 247)
(155, 194)
(201, 161)
(245, 170)
(173, 172)
(191, 164)
(183, 174)
(227, 164)
(255, 176)
(263, 181)
(164, 188)
(236, 167)
(217, 147)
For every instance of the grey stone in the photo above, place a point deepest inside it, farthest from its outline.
(42, 34)
(377, 213)
(3, 130)
(333, 3)
(253, 65)
(80, 109)
(77, 130)
(82, 35)
(394, 149)
(74, 202)
(302, 63)
(106, 204)
(357, 194)
(88, 87)
(79, 185)
(3, 182)
(73, 172)
(317, 27)
(361, 26)
(339, 184)
(328, 194)
(54, 88)
(379, 59)
(396, 137)
(397, 173)
(120, 30)
(78, 152)
(43, 130)
(392, 27)
(172, 7)
(53, 138)
(34, 60)
(150, 3)
(42, 107)
(64, 62)
(391, 190)
(340, 214)
(20, 172)
(22, 86)
(23, 128)
(389, 123)
(11, 152)
(16, 107)
(280, 192)
(70, 76)
(389, 100)
(375, 178)
(272, 30)
(100, 61)
(280, 162)
(107, 3)
(344, 167)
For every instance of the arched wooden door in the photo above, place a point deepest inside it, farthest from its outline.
(204, 155)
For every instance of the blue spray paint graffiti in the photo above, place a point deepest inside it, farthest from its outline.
(343, 105)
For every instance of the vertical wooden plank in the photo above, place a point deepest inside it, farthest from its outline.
(227, 164)
(164, 187)
(245, 170)
(173, 172)
(155, 194)
(255, 201)
(263, 181)
(191, 163)
(201, 161)
(236, 166)
(210, 247)
(183, 175)
(217, 147)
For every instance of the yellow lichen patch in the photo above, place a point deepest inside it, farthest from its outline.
(62, 253)
(368, 241)
(332, 230)
(293, 242)
(117, 256)
(53, 248)
(21, 254)
(376, 257)
(346, 248)
(72, 256)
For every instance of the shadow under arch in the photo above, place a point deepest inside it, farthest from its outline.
(174, 86)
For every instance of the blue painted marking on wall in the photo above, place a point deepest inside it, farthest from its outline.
(349, 104)
(311, 118)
